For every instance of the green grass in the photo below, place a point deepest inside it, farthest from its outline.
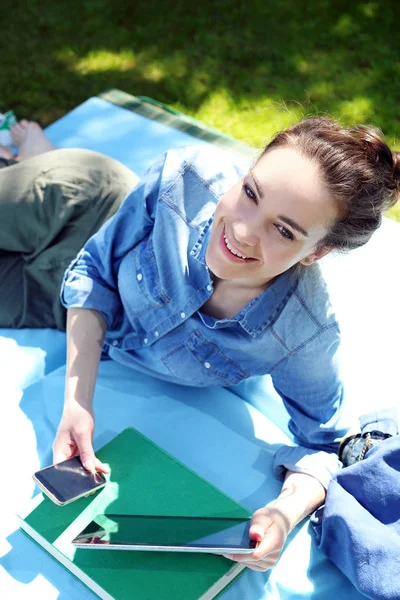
(248, 68)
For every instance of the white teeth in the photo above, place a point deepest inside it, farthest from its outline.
(232, 249)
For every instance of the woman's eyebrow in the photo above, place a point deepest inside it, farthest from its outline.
(293, 224)
(258, 186)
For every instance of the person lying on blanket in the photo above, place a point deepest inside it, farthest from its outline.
(206, 275)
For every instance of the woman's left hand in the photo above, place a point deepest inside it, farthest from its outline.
(301, 494)
(270, 528)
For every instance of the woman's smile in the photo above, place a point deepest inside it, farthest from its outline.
(231, 251)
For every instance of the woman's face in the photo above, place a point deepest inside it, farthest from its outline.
(270, 220)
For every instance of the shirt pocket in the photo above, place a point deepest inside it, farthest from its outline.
(139, 280)
(199, 362)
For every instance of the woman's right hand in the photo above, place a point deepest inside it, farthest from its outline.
(74, 436)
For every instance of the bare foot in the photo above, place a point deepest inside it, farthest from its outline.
(30, 139)
(5, 153)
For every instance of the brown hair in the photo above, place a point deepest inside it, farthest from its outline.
(358, 168)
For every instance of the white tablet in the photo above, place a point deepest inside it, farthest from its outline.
(165, 533)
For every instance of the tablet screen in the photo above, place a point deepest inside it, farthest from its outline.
(159, 531)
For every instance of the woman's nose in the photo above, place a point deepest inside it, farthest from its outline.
(245, 233)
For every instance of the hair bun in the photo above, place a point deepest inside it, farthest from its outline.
(373, 143)
(396, 169)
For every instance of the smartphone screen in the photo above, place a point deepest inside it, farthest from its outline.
(136, 532)
(68, 481)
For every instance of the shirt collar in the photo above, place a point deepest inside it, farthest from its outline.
(263, 311)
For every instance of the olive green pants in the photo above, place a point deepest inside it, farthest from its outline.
(50, 205)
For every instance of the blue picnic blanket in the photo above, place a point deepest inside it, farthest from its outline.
(244, 424)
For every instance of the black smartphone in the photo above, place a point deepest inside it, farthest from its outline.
(67, 481)
(216, 535)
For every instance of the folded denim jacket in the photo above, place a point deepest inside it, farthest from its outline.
(358, 528)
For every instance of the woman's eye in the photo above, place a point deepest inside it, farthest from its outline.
(285, 233)
(249, 192)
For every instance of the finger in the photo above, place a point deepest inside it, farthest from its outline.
(268, 547)
(272, 540)
(63, 449)
(260, 523)
(60, 456)
(260, 566)
(86, 452)
(258, 528)
(102, 467)
(237, 557)
(251, 558)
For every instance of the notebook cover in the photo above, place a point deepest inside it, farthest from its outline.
(144, 480)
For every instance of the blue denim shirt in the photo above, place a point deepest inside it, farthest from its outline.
(145, 272)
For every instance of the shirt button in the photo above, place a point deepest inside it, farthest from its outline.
(145, 340)
(209, 287)
(115, 343)
(183, 315)
(139, 277)
(207, 365)
(156, 333)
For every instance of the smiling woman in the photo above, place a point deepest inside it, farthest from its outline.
(268, 222)
(203, 277)
(316, 187)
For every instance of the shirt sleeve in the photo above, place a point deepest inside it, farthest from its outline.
(312, 390)
(91, 280)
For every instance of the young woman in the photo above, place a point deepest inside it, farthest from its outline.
(208, 274)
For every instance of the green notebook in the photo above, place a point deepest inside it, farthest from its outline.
(144, 480)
